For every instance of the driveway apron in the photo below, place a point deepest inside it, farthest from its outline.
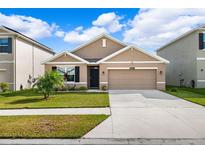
(150, 114)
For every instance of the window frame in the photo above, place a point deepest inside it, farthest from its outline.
(203, 41)
(4, 39)
(65, 71)
(7, 52)
(104, 43)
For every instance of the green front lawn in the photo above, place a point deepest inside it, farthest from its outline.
(31, 99)
(191, 94)
(59, 126)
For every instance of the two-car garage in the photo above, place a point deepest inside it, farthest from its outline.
(132, 68)
(132, 78)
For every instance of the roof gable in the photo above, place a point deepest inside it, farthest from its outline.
(96, 38)
(65, 57)
(14, 32)
(139, 53)
(94, 49)
(131, 54)
(3, 31)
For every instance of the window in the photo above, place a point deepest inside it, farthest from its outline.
(103, 43)
(68, 73)
(4, 42)
(201, 40)
(5, 45)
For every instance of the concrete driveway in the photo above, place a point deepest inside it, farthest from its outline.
(150, 114)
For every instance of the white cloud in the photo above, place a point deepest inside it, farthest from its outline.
(60, 33)
(80, 36)
(105, 23)
(32, 27)
(152, 28)
(110, 21)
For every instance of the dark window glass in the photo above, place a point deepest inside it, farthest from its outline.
(5, 45)
(4, 42)
(68, 73)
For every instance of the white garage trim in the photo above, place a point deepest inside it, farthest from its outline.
(6, 62)
(161, 82)
(200, 58)
(126, 68)
(2, 70)
(103, 82)
(200, 80)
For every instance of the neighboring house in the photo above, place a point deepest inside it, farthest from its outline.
(20, 58)
(187, 59)
(107, 62)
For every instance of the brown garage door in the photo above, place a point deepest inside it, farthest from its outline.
(132, 79)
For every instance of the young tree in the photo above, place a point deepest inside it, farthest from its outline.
(47, 83)
(4, 86)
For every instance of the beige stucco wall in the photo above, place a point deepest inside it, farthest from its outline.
(182, 57)
(7, 63)
(7, 74)
(39, 55)
(96, 51)
(28, 62)
(24, 63)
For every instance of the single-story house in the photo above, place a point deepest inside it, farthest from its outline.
(107, 62)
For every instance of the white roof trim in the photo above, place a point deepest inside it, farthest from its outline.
(181, 36)
(28, 39)
(64, 63)
(96, 38)
(132, 62)
(63, 53)
(138, 49)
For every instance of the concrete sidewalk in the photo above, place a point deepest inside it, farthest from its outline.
(105, 141)
(60, 111)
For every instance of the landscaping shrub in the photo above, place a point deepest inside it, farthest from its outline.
(63, 88)
(4, 86)
(72, 88)
(104, 87)
(83, 88)
(48, 83)
(173, 89)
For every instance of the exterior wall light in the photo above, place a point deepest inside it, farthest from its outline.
(160, 72)
(103, 72)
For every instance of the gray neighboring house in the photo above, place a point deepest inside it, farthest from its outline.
(20, 58)
(187, 59)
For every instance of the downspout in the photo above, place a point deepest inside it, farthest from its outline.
(14, 52)
(32, 60)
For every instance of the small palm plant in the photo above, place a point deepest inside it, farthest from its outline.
(47, 83)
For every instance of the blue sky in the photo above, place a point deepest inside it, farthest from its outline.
(64, 29)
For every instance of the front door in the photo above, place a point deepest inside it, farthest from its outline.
(94, 77)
